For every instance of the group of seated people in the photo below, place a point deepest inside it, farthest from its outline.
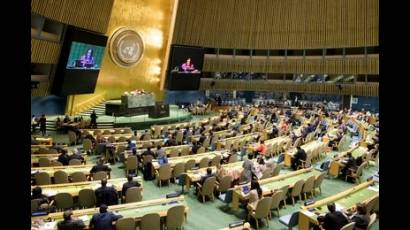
(335, 219)
(105, 194)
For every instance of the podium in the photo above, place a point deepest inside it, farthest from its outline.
(159, 110)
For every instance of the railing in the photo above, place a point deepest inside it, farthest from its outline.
(87, 104)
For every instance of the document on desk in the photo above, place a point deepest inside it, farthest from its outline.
(49, 226)
(339, 207)
(84, 218)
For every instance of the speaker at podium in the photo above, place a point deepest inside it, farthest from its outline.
(159, 110)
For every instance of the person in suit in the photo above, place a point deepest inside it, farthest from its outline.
(129, 184)
(100, 167)
(207, 175)
(334, 220)
(248, 170)
(63, 157)
(350, 164)
(43, 201)
(299, 155)
(93, 122)
(42, 123)
(195, 147)
(106, 195)
(77, 155)
(360, 217)
(69, 223)
(104, 219)
(254, 195)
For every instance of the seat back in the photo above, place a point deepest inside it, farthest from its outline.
(150, 221)
(232, 158)
(111, 139)
(131, 163)
(297, 188)
(106, 132)
(308, 186)
(277, 169)
(189, 164)
(157, 131)
(373, 218)
(209, 186)
(74, 162)
(206, 142)
(72, 137)
(165, 172)
(204, 162)
(201, 150)
(225, 183)
(349, 226)
(294, 220)
(122, 139)
(35, 204)
(64, 201)
(319, 180)
(266, 173)
(175, 217)
(42, 178)
(185, 151)
(44, 162)
(216, 161)
(179, 137)
(263, 207)
(284, 191)
(78, 177)
(360, 169)
(125, 224)
(371, 205)
(100, 175)
(56, 163)
(179, 168)
(174, 152)
(133, 194)
(87, 144)
(86, 198)
(147, 137)
(276, 199)
(60, 177)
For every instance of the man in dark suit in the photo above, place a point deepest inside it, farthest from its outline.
(129, 184)
(104, 219)
(350, 164)
(106, 195)
(63, 157)
(69, 224)
(100, 167)
(299, 155)
(195, 147)
(334, 220)
(203, 178)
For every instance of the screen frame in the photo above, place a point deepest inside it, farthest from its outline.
(66, 80)
(173, 79)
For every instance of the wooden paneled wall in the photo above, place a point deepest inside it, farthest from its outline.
(358, 89)
(277, 24)
(45, 52)
(93, 15)
(350, 64)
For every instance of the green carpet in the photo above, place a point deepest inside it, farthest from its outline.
(214, 215)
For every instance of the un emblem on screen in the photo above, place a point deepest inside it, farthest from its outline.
(126, 47)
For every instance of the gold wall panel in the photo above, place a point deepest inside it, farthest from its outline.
(350, 64)
(277, 24)
(44, 51)
(358, 89)
(88, 14)
(151, 19)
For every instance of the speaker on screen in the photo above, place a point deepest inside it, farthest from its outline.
(80, 62)
(185, 67)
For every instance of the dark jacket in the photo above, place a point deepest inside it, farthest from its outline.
(103, 221)
(362, 221)
(300, 155)
(106, 195)
(99, 168)
(64, 159)
(335, 221)
(70, 225)
(128, 185)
